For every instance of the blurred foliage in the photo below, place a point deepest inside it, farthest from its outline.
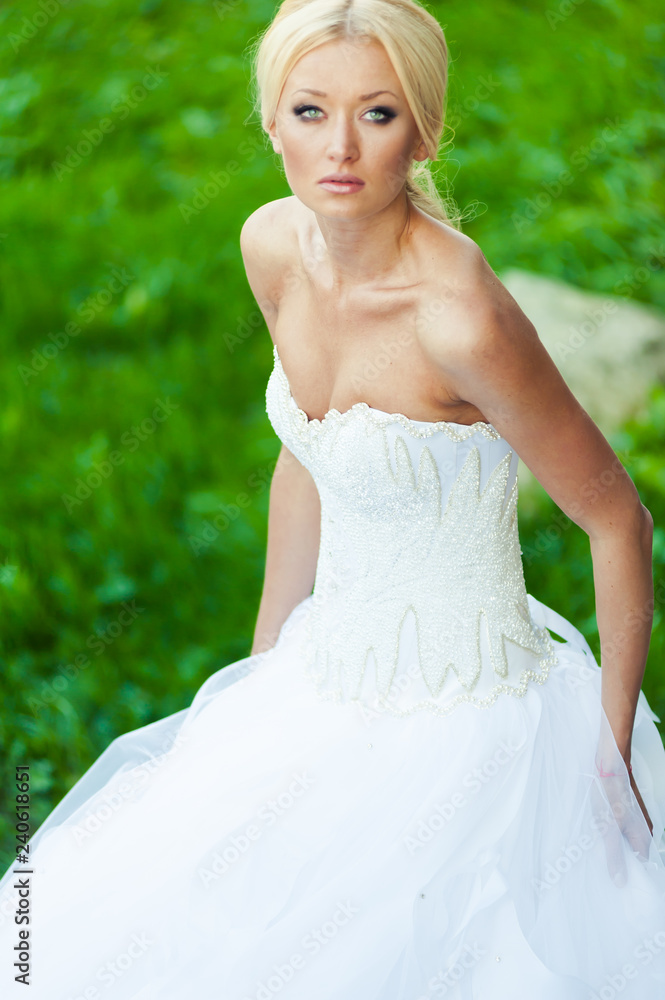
(136, 451)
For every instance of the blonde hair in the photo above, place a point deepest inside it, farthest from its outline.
(416, 46)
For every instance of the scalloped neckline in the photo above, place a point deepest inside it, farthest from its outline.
(482, 425)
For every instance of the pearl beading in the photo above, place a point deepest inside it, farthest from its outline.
(382, 705)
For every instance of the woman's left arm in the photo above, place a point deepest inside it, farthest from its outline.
(498, 363)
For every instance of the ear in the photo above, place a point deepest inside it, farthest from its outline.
(272, 132)
(420, 152)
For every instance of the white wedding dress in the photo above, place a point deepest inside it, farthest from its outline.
(398, 801)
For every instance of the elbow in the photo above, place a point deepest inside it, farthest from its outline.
(639, 525)
(634, 524)
(646, 527)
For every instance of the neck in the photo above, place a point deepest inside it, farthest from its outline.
(364, 251)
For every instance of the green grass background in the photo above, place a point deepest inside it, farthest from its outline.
(181, 326)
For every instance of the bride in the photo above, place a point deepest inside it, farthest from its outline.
(419, 783)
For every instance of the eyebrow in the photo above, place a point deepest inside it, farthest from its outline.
(363, 97)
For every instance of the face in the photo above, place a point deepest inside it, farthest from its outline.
(356, 124)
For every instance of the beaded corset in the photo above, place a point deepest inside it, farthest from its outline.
(419, 600)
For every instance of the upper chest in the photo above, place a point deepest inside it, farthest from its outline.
(365, 342)
(367, 346)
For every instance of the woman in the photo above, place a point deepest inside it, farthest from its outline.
(409, 789)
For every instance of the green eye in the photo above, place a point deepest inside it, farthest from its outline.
(300, 112)
(386, 114)
(379, 115)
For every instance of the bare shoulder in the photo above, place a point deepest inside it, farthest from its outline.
(468, 305)
(266, 223)
(487, 352)
(267, 241)
(479, 336)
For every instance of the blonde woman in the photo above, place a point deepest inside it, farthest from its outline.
(411, 788)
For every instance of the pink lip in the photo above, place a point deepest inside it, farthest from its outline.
(342, 184)
(341, 179)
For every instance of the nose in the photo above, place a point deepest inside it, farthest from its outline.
(343, 140)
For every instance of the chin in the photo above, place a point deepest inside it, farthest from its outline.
(360, 204)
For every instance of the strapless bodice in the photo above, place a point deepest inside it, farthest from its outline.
(419, 600)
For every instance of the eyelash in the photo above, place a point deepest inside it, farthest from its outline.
(388, 114)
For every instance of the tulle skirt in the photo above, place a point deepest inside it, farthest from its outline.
(265, 842)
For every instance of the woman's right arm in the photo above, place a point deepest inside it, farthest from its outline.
(295, 510)
(293, 547)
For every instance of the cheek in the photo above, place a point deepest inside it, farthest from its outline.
(389, 143)
(299, 148)
(397, 157)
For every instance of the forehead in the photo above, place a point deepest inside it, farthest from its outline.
(345, 66)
